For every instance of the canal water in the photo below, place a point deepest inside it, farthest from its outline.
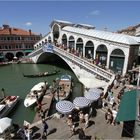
(12, 80)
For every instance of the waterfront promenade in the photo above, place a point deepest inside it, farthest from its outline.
(98, 128)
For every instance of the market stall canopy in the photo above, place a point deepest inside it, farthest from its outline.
(81, 102)
(128, 106)
(93, 94)
(64, 107)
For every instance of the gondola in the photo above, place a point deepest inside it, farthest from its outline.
(42, 74)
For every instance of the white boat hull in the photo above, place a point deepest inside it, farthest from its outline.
(8, 107)
(31, 98)
(28, 102)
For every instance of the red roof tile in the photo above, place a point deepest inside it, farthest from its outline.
(14, 31)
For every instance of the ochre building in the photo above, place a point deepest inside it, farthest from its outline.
(16, 42)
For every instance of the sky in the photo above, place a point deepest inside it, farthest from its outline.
(37, 15)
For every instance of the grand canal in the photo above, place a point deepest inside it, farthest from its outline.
(12, 80)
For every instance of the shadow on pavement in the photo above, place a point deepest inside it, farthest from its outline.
(52, 131)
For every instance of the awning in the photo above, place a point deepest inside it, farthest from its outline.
(1, 56)
(128, 106)
(28, 50)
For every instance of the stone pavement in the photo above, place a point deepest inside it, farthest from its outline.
(98, 128)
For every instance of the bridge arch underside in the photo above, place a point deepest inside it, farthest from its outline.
(51, 58)
(117, 58)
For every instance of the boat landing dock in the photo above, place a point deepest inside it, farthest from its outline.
(46, 104)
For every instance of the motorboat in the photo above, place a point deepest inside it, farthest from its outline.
(40, 88)
(63, 88)
(7, 104)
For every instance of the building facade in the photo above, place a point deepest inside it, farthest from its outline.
(131, 30)
(16, 42)
(116, 51)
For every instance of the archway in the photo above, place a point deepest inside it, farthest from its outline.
(45, 40)
(79, 47)
(9, 56)
(71, 42)
(117, 60)
(64, 40)
(89, 50)
(55, 33)
(101, 54)
(19, 54)
(49, 39)
(1, 57)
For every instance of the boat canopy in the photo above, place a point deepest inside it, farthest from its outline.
(66, 77)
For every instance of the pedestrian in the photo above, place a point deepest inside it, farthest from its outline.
(42, 114)
(36, 95)
(86, 120)
(71, 125)
(81, 117)
(28, 132)
(82, 135)
(45, 128)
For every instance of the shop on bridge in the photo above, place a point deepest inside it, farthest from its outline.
(89, 50)
(79, 47)
(117, 60)
(101, 54)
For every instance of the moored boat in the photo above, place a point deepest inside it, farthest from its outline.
(42, 74)
(31, 98)
(4, 63)
(64, 88)
(7, 104)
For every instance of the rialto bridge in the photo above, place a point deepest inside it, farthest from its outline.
(80, 42)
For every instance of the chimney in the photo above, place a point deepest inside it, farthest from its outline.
(30, 32)
(10, 30)
(5, 26)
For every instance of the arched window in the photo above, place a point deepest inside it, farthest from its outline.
(89, 50)
(117, 60)
(64, 40)
(101, 54)
(79, 47)
(49, 39)
(55, 33)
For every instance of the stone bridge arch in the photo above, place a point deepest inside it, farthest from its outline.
(53, 57)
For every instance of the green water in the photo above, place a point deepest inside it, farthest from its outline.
(12, 80)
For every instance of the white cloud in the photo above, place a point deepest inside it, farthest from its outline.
(28, 24)
(95, 13)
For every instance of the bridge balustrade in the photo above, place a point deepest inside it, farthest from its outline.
(83, 63)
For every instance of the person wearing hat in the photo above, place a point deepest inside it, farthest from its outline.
(71, 125)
